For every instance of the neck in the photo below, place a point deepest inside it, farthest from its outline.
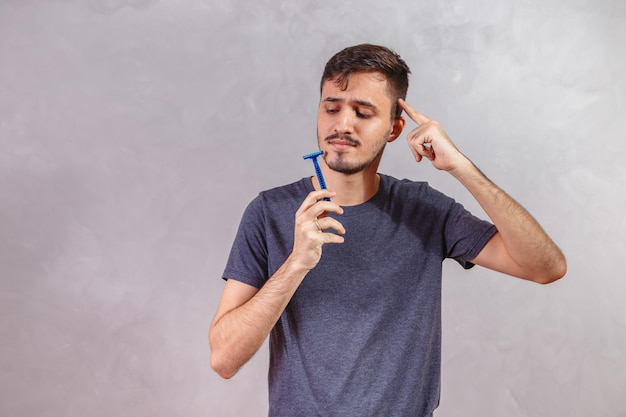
(351, 189)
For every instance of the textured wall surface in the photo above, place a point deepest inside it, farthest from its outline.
(134, 132)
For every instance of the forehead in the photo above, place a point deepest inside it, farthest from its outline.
(362, 86)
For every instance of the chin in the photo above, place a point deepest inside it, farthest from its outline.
(346, 168)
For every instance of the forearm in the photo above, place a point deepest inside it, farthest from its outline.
(236, 335)
(521, 247)
(525, 241)
(246, 315)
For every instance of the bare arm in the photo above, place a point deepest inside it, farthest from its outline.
(521, 247)
(245, 315)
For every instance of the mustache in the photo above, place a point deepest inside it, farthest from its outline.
(343, 137)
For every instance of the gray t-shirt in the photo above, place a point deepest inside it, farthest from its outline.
(362, 334)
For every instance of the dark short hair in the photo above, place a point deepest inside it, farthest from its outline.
(370, 58)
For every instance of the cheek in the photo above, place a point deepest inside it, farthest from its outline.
(379, 131)
(322, 124)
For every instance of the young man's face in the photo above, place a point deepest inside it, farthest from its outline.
(353, 125)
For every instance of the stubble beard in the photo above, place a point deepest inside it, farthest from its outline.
(341, 161)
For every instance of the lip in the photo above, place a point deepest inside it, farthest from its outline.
(341, 144)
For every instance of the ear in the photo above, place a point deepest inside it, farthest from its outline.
(396, 128)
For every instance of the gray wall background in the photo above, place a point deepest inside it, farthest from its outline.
(134, 132)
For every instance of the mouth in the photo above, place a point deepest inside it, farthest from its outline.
(339, 141)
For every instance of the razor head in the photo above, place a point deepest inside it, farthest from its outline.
(313, 155)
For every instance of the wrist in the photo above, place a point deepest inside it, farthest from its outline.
(296, 267)
(463, 169)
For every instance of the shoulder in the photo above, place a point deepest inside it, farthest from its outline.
(294, 190)
(409, 191)
(284, 197)
(286, 194)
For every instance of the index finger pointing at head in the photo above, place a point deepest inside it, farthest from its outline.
(416, 116)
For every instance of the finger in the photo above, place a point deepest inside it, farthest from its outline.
(416, 154)
(327, 223)
(416, 143)
(416, 116)
(419, 146)
(321, 208)
(332, 238)
(427, 151)
(313, 198)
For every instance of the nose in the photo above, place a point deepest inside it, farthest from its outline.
(343, 122)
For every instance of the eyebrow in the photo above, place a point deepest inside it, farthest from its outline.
(364, 103)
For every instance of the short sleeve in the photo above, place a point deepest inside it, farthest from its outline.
(465, 235)
(248, 259)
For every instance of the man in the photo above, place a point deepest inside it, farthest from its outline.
(349, 289)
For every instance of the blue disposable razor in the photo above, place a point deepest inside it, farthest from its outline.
(320, 178)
